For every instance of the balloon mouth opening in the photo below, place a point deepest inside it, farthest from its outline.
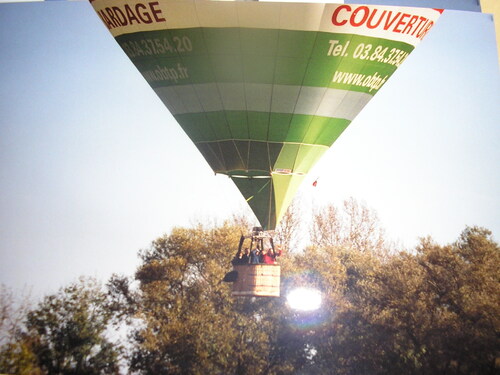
(286, 172)
(248, 174)
(254, 174)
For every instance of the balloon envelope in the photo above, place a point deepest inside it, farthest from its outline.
(264, 89)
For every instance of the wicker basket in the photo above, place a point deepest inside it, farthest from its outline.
(257, 280)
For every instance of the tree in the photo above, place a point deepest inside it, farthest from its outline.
(12, 312)
(288, 233)
(341, 274)
(463, 280)
(435, 311)
(190, 323)
(430, 311)
(66, 334)
(355, 226)
(15, 355)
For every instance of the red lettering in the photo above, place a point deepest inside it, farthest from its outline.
(373, 18)
(112, 17)
(401, 22)
(421, 19)
(425, 30)
(355, 13)
(409, 25)
(369, 22)
(145, 14)
(389, 22)
(336, 13)
(156, 12)
(120, 16)
(140, 13)
(130, 14)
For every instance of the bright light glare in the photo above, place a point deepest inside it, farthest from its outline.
(304, 299)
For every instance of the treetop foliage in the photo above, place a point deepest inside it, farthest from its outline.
(432, 310)
(64, 334)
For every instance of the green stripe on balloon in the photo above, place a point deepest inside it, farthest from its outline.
(272, 127)
(252, 55)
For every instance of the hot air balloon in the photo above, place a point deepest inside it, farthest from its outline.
(264, 89)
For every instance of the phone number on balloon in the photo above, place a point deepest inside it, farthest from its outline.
(366, 51)
(157, 46)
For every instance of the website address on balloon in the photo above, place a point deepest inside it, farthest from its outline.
(373, 81)
(163, 73)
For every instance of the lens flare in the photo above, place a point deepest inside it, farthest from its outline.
(304, 299)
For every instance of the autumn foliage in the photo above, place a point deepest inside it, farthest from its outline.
(434, 309)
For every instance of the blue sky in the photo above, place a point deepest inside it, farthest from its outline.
(86, 148)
